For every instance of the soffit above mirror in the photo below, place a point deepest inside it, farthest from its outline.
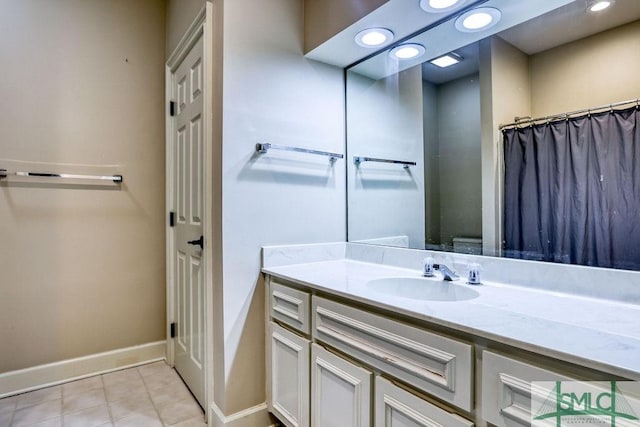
(402, 17)
(445, 38)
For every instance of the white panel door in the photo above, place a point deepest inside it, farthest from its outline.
(340, 391)
(396, 407)
(188, 226)
(288, 370)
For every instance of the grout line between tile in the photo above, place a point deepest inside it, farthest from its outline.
(104, 390)
(153, 404)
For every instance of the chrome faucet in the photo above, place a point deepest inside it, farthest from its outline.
(449, 275)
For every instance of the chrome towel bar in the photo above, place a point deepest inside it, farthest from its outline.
(262, 148)
(360, 159)
(115, 178)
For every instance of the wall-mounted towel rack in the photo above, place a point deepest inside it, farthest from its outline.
(115, 178)
(360, 159)
(262, 148)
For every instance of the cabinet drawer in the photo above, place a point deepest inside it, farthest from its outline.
(506, 389)
(435, 364)
(395, 406)
(289, 306)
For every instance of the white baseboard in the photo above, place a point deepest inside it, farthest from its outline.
(256, 416)
(29, 379)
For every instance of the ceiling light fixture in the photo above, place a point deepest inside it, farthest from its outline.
(478, 19)
(439, 6)
(407, 51)
(373, 37)
(599, 5)
(446, 60)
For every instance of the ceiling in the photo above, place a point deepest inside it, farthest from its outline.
(569, 23)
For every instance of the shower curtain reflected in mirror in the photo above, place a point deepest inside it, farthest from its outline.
(572, 190)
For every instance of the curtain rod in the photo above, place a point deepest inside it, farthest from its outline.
(528, 120)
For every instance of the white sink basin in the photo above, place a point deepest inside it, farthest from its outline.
(422, 289)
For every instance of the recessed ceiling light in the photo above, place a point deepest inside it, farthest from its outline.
(407, 51)
(439, 6)
(373, 37)
(446, 60)
(599, 5)
(478, 19)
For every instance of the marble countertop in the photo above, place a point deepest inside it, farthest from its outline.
(590, 332)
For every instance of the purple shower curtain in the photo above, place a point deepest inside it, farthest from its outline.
(572, 190)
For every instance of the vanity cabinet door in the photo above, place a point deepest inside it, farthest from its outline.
(506, 389)
(340, 391)
(288, 376)
(396, 407)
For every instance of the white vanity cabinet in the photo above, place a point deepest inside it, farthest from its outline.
(336, 362)
(309, 382)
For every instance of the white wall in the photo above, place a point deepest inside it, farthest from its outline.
(271, 94)
(385, 121)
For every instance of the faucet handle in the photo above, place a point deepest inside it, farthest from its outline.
(473, 277)
(428, 270)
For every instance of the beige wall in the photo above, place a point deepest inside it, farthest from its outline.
(324, 19)
(504, 92)
(180, 14)
(598, 70)
(82, 269)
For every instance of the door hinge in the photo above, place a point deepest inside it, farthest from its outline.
(172, 219)
(172, 108)
(173, 330)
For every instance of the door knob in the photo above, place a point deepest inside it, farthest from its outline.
(198, 242)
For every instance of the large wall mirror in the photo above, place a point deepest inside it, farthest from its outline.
(425, 150)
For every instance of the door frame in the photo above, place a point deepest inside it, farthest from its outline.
(200, 27)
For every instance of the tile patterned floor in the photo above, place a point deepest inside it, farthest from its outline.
(147, 396)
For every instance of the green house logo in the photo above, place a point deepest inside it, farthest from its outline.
(573, 403)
